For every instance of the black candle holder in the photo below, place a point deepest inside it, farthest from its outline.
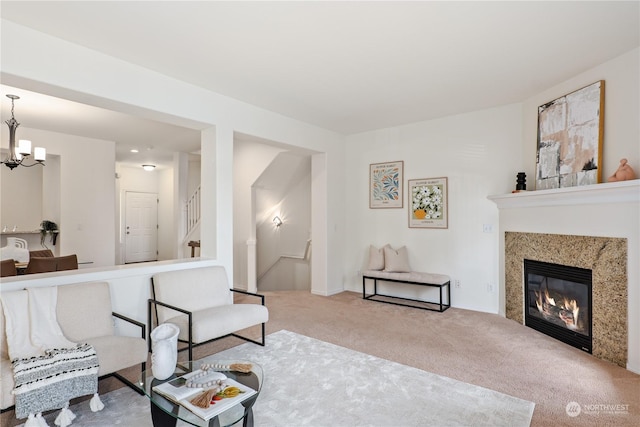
(521, 181)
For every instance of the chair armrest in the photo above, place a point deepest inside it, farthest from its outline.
(154, 302)
(172, 307)
(240, 291)
(141, 325)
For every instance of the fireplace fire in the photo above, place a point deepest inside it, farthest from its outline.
(558, 302)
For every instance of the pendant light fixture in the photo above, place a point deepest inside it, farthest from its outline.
(18, 154)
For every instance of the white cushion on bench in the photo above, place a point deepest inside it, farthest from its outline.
(413, 276)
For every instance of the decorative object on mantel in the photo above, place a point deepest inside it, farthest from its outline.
(50, 227)
(521, 182)
(623, 173)
(18, 154)
(570, 132)
(428, 199)
(385, 185)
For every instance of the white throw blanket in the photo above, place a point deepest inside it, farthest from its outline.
(49, 370)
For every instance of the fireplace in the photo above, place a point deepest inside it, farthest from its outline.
(558, 302)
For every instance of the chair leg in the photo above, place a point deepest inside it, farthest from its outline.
(131, 385)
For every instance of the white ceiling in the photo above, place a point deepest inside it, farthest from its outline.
(351, 66)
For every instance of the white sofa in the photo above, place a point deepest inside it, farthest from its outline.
(200, 302)
(84, 313)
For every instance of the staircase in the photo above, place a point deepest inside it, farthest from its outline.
(192, 214)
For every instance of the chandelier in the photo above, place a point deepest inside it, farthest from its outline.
(17, 155)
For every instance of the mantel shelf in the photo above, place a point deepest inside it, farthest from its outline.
(606, 193)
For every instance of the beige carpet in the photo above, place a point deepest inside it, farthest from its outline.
(477, 348)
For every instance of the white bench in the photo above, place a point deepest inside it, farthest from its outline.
(439, 281)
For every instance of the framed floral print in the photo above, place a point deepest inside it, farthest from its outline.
(428, 200)
(385, 185)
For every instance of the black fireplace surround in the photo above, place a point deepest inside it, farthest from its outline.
(558, 302)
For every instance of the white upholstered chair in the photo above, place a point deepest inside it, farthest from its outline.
(200, 302)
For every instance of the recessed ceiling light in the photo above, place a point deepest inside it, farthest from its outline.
(134, 150)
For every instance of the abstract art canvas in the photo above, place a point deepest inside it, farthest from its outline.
(570, 131)
(385, 185)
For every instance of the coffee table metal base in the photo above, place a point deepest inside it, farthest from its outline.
(161, 418)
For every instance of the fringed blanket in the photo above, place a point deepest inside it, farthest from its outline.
(48, 382)
(49, 370)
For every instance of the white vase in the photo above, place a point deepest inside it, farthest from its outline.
(164, 348)
(16, 249)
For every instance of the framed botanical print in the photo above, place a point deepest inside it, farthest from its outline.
(385, 185)
(570, 132)
(428, 200)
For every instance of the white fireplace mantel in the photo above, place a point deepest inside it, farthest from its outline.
(601, 210)
(606, 193)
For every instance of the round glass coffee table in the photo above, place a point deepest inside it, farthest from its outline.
(166, 412)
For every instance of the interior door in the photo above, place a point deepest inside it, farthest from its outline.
(141, 227)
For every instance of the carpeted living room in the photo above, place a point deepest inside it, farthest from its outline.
(519, 365)
(439, 202)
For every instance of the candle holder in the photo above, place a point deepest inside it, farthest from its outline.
(521, 182)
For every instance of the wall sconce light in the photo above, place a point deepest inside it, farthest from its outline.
(148, 168)
(277, 221)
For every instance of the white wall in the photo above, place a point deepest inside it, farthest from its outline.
(167, 222)
(86, 224)
(290, 239)
(249, 161)
(29, 196)
(130, 285)
(36, 61)
(21, 194)
(480, 154)
(621, 113)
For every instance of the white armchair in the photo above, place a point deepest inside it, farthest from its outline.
(200, 302)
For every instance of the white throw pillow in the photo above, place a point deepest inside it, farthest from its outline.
(396, 260)
(376, 258)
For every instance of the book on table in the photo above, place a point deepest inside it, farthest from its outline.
(177, 391)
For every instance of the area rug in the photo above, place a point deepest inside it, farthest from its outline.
(314, 383)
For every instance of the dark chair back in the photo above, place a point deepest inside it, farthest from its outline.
(41, 265)
(41, 253)
(8, 268)
(68, 262)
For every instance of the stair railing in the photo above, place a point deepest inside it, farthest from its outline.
(193, 211)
